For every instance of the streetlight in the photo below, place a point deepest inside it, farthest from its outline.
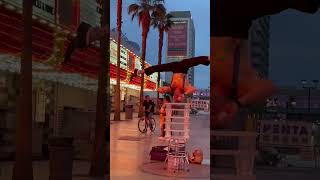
(310, 86)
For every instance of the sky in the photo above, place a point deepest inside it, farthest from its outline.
(201, 17)
(294, 48)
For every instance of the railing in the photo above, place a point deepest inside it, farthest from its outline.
(291, 110)
(241, 146)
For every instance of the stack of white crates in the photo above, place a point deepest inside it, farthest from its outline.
(177, 121)
(177, 133)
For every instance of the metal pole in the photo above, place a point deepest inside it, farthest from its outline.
(235, 75)
(309, 95)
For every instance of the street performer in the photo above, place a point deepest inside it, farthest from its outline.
(234, 82)
(180, 85)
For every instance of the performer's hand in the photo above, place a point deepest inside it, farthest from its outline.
(227, 116)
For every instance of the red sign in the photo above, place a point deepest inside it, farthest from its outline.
(178, 39)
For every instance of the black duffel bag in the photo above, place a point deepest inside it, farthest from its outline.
(158, 153)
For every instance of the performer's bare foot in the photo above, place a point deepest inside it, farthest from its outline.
(136, 72)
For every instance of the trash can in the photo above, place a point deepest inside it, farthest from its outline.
(61, 153)
(129, 112)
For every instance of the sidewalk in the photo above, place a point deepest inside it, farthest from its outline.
(41, 170)
(122, 116)
(131, 151)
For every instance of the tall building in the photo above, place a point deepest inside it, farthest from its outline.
(180, 41)
(259, 36)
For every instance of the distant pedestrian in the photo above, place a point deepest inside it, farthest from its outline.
(163, 116)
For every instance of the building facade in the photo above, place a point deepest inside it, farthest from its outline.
(259, 35)
(180, 41)
(62, 95)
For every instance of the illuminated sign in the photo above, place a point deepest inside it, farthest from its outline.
(89, 12)
(43, 8)
(285, 133)
(138, 64)
(113, 55)
(178, 39)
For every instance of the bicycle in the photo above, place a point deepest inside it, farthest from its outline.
(143, 125)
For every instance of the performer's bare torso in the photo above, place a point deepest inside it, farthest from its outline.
(179, 80)
(223, 51)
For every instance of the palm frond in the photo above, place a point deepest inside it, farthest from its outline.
(133, 8)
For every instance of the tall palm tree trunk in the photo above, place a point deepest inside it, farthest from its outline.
(144, 45)
(212, 85)
(99, 163)
(23, 164)
(159, 56)
(118, 92)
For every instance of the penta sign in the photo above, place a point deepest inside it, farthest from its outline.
(285, 133)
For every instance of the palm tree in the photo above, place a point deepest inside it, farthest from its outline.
(163, 23)
(117, 93)
(99, 164)
(143, 12)
(23, 165)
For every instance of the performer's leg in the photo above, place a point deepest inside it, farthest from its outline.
(168, 67)
(164, 89)
(195, 61)
(178, 66)
(270, 7)
(96, 34)
(175, 67)
(85, 35)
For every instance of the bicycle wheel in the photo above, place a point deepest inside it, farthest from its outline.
(153, 124)
(142, 125)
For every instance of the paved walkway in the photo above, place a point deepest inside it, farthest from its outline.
(288, 173)
(41, 170)
(128, 156)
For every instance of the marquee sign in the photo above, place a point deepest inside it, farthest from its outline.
(90, 12)
(138, 64)
(285, 133)
(113, 55)
(42, 8)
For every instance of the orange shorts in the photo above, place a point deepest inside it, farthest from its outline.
(162, 119)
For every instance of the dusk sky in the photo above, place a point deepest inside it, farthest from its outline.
(294, 41)
(201, 16)
(294, 47)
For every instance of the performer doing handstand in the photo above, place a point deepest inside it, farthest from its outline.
(86, 34)
(180, 85)
(231, 21)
